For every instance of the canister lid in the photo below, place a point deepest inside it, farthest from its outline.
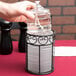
(40, 10)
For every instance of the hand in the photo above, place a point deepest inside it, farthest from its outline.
(17, 12)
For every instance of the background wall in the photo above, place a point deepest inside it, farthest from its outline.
(63, 18)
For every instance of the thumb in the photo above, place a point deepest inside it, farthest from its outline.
(29, 15)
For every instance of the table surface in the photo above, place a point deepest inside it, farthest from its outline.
(14, 64)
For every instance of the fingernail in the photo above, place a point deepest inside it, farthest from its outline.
(33, 17)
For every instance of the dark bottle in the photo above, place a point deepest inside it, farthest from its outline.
(22, 40)
(6, 41)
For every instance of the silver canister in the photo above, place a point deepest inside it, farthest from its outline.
(40, 43)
